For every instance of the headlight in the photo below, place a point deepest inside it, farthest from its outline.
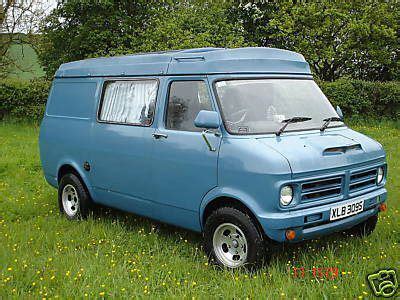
(286, 195)
(380, 175)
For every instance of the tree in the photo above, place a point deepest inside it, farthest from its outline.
(19, 21)
(82, 29)
(338, 38)
(193, 24)
(252, 17)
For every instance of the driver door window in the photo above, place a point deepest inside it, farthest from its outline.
(186, 99)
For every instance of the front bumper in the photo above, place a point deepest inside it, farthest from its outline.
(314, 222)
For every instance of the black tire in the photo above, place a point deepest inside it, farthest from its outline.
(81, 211)
(365, 228)
(254, 238)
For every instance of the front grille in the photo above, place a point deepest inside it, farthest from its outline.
(362, 180)
(338, 186)
(321, 188)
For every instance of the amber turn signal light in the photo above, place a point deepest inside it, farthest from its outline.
(382, 207)
(290, 234)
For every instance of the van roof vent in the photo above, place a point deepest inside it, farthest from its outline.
(189, 58)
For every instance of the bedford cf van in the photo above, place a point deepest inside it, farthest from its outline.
(239, 144)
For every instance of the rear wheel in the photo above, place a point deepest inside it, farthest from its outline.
(365, 228)
(73, 199)
(232, 240)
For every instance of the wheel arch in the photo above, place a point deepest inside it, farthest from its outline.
(70, 167)
(231, 201)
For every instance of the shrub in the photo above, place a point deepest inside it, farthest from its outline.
(366, 99)
(25, 100)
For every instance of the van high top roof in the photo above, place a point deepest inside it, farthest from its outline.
(191, 61)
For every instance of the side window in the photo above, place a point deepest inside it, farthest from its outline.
(186, 99)
(129, 102)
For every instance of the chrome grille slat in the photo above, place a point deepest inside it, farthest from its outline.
(362, 185)
(321, 188)
(331, 187)
(362, 179)
(366, 173)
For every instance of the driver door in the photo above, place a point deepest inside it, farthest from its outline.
(185, 167)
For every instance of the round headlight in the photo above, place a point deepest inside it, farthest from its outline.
(380, 175)
(286, 195)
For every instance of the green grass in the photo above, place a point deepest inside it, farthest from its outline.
(26, 62)
(121, 255)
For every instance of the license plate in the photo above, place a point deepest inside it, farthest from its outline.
(345, 210)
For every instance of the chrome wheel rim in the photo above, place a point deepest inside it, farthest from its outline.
(230, 245)
(70, 200)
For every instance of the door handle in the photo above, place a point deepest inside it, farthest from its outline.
(158, 135)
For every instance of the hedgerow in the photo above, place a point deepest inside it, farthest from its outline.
(25, 100)
(365, 99)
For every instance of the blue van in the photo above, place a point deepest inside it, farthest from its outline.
(239, 144)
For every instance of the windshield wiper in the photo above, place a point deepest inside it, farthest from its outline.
(328, 121)
(292, 120)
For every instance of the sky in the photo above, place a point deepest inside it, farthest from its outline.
(46, 5)
(50, 4)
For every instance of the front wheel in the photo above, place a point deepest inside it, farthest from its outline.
(232, 240)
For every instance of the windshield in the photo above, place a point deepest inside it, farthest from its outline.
(254, 106)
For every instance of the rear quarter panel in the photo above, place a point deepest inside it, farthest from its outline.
(65, 129)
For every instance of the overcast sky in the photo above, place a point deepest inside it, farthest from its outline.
(22, 24)
(51, 4)
(48, 5)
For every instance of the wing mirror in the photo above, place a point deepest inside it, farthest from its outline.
(207, 119)
(339, 112)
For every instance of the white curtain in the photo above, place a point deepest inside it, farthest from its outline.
(129, 101)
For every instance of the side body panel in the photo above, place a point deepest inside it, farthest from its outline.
(164, 179)
(65, 136)
(121, 172)
(184, 167)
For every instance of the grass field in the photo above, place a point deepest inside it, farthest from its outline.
(120, 255)
(26, 60)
